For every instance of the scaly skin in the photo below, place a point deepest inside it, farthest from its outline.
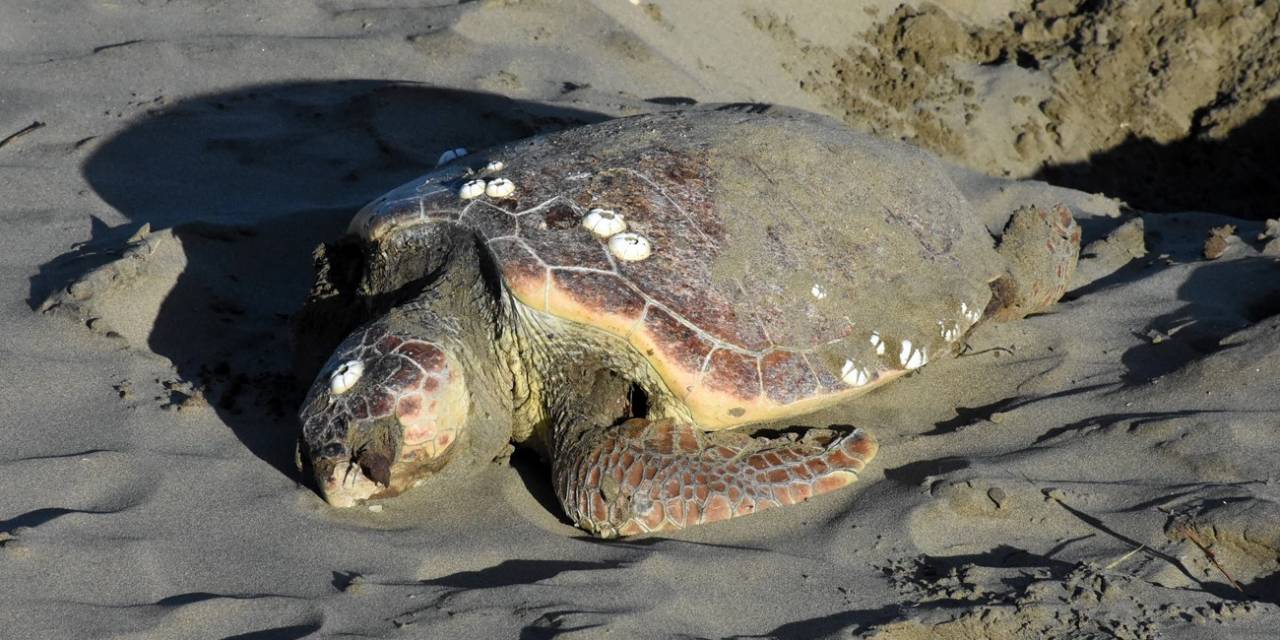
(646, 477)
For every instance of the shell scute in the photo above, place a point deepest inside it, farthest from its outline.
(525, 274)
(558, 246)
(594, 297)
(786, 377)
(491, 221)
(676, 350)
(560, 216)
(733, 373)
(680, 222)
(826, 371)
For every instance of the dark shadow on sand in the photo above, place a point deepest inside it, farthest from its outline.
(1235, 175)
(519, 572)
(251, 181)
(1220, 299)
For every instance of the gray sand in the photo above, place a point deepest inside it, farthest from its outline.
(1053, 482)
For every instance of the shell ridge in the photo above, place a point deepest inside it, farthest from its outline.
(639, 320)
(666, 196)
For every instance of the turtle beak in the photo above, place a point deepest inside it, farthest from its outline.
(344, 482)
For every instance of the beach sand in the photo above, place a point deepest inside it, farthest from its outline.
(175, 164)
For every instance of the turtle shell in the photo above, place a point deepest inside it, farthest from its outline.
(791, 262)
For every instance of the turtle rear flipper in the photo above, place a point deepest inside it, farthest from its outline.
(644, 476)
(1040, 249)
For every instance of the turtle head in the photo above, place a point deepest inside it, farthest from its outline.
(385, 412)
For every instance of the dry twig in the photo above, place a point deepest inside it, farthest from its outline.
(1114, 563)
(1190, 534)
(21, 132)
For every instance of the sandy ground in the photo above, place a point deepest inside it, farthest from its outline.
(181, 159)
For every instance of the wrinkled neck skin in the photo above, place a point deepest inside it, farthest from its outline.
(575, 380)
(526, 371)
(452, 298)
(530, 375)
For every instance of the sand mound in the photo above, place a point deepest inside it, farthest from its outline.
(1141, 100)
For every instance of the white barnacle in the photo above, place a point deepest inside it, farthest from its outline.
(818, 291)
(346, 376)
(471, 190)
(499, 188)
(494, 166)
(631, 247)
(911, 357)
(949, 331)
(450, 155)
(917, 359)
(853, 375)
(877, 342)
(604, 222)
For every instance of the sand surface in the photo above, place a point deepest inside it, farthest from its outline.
(174, 164)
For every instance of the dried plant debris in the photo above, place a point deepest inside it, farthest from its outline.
(1271, 234)
(1217, 243)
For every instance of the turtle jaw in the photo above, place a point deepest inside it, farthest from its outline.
(347, 481)
(343, 483)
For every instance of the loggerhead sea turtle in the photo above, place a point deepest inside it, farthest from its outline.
(618, 296)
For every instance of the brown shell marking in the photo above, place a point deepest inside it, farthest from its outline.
(598, 298)
(740, 229)
(715, 355)
(677, 351)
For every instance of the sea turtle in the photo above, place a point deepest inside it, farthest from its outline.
(620, 296)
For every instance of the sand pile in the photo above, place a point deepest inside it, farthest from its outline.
(1147, 101)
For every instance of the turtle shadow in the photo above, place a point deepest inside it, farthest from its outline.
(247, 183)
(1216, 299)
(1234, 174)
(1220, 299)
(535, 474)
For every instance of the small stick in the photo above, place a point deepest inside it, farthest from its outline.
(1124, 557)
(968, 351)
(1189, 534)
(21, 132)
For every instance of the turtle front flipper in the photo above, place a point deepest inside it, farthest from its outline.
(1040, 249)
(644, 476)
